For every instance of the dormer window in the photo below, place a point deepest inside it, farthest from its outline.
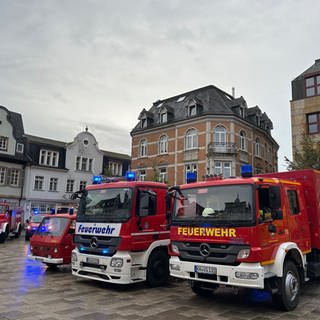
(143, 122)
(146, 118)
(20, 147)
(312, 86)
(48, 158)
(242, 113)
(194, 107)
(163, 117)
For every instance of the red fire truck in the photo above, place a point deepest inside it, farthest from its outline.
(52, 242)
(122, 234)
(10, 222)
(255, 232)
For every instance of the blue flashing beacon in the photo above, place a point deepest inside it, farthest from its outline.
(246, 171)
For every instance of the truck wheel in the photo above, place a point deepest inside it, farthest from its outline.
(197, 288)
(4, 235)
(18, 234)
(158, 269)
(289, 288)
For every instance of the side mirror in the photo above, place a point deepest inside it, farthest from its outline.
(272, 228)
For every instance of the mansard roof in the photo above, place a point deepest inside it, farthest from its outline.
(210, 99)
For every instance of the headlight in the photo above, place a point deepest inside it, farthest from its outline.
(175, 249)
(116, 262)
(243, 254)
(247, 275)
(74, 257)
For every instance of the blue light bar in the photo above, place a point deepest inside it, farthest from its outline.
(130, 176)
(246, 170)
(191, 176)
(97, 179)
(82, 249)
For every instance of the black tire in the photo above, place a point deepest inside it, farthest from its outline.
(158, 268)
(4, 235)
(198, 288)
(289, 288)
(18, 234)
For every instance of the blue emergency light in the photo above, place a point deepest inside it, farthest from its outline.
(191, 176)
(36, 211)
(130, 176)
(97, 179)
(246, 170)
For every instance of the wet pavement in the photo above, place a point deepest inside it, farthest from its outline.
(28, 290)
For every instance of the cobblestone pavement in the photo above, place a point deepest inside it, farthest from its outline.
(28, 290)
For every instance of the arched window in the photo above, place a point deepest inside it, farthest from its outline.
(243, 141)
(220, 136)
(143, 148)
(191, 139)
(163, 144)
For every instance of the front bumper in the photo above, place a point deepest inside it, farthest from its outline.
(46, 259)
(101, 268)
(222, 275)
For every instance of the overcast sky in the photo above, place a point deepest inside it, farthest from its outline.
(65, 64)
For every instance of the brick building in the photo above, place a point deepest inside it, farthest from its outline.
(305, 106)
(207, 131)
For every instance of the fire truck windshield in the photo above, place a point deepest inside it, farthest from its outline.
(105, 205)
(220, 205)
(52, 226)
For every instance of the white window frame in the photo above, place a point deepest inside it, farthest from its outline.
(223, 167)
(142, 175)
(82, 184)
(257, 147)
(20, 147)
(143, 148)
(191, 139)
(49, 158)
(70, 185)
(163, 144)
(243, 141)
(220, 135)
(39, 183)
(163, 174)
(3, 175)
(4, 143)
(163, 117)
(53, 184)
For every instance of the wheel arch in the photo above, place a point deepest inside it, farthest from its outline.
(156, 245)
(288, 251)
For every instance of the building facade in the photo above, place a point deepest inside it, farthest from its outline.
(41, 174)
(206, 131)
(305, 106)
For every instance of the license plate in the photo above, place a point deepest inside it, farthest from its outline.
(93, 260)
(205, 269)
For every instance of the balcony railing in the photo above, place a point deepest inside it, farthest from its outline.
(221, 148)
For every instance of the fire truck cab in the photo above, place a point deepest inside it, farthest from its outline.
(122, 233)
(10, 222)
(255, 232)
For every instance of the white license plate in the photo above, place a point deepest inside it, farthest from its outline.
(205, 269)
(93, 260)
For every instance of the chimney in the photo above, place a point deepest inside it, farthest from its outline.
(233, 92)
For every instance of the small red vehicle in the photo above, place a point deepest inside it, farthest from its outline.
(10, 222)
(32, 225)
(52, 243)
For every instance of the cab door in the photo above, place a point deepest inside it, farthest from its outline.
(150, 216)
(298, 225)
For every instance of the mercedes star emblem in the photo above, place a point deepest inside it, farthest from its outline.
(204, 249)
(94, 242)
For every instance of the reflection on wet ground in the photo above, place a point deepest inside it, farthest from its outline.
(29, 290)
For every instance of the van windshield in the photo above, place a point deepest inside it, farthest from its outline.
(52, 226)
(220, 205)
(107, 205)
